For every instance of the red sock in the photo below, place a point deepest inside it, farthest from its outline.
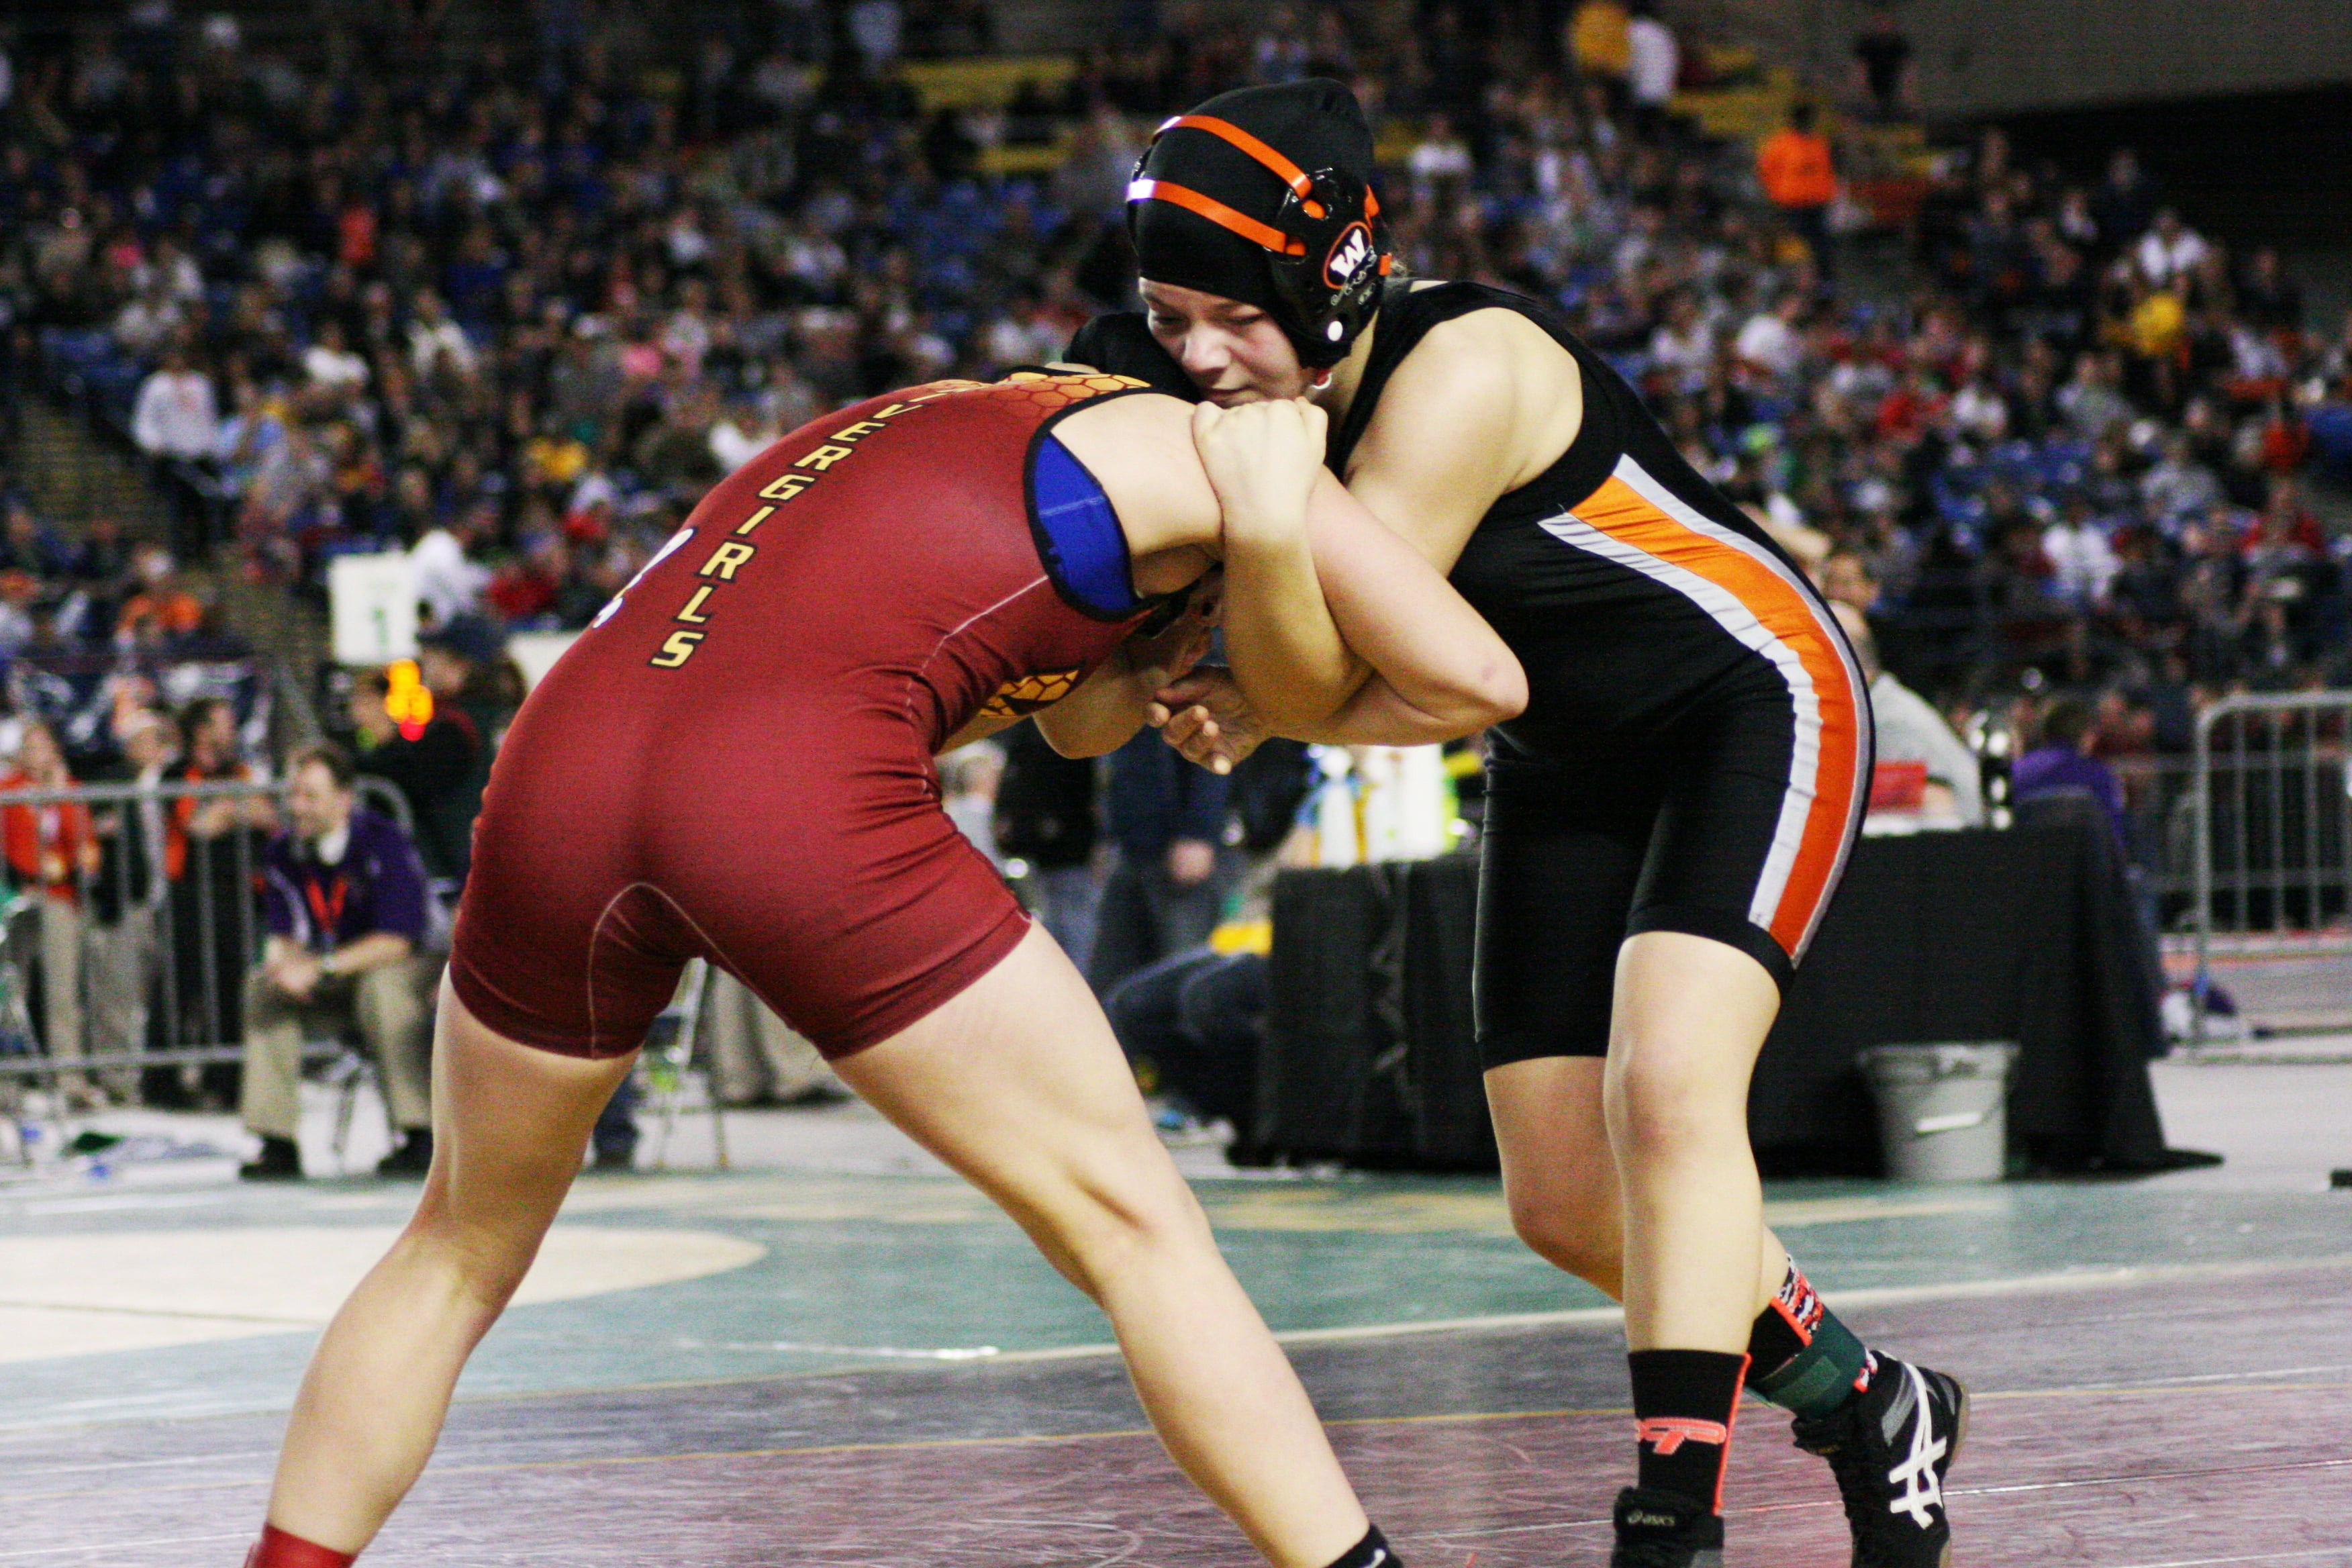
(277, 1549)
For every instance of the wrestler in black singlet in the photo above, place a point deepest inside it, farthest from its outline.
(1695, 750)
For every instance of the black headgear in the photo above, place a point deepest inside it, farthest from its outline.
(1222, 201)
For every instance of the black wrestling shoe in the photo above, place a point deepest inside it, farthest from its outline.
(1666, 1530)
(1889, 1448)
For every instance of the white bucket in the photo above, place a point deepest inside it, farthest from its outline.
(1942, 1109)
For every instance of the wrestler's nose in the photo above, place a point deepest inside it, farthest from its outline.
(1206, 353)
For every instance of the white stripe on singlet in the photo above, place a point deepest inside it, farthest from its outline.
(1726, 609)
(1649, 489)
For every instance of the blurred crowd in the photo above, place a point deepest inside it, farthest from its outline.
(519, 314)
(515, 312)
(203, 915)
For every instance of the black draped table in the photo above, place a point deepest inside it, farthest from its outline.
(2025, 936)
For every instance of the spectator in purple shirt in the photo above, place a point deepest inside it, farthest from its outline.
(345, 901)
(2063, 761)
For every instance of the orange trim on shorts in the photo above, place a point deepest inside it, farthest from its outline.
(1616, 508)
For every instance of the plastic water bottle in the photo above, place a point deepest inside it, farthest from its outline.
(1376, 766)
(1337, 841)
(1424, 803)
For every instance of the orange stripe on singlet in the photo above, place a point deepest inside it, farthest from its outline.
(1787, 613)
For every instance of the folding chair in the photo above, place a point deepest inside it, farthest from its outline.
(670, 1051)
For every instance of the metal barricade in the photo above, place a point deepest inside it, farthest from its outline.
(2272, 880)
(2159, 837)
(141, 964)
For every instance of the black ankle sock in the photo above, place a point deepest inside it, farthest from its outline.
(1802, 1358)
(1371, 1551)
(1684, 1404)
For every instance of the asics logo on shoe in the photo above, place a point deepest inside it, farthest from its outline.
(1666, 1434)
(1907, 1394)
(1923, 1489)
(1652, 1521)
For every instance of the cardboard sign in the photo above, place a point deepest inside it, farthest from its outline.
(375, 608)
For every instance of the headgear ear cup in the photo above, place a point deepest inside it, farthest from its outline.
(1332, 279)
(1317, 261)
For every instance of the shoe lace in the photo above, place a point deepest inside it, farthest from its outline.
(1857, 1470)
(1860, 1461)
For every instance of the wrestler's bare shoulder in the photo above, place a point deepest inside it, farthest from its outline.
(1494, 374)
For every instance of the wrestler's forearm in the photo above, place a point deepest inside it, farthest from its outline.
(1114, 702)
(1104, 713)
(1286, 652)
(1437, 655)
(1378, 716)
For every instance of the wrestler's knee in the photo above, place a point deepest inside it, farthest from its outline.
(1568, 1222)
(1671, 1105)
(482, 1265)
(1106, 1223)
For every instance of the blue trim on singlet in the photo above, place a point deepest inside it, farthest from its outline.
(1078, 533)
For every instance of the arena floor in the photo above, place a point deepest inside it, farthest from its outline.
(843, 1357)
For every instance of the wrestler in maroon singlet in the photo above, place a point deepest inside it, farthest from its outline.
(734, 762)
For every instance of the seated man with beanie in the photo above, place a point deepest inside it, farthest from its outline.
(344, 902)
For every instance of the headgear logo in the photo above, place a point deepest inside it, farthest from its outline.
(1349, 254)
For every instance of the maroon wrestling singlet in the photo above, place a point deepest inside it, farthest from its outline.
(734, 762)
